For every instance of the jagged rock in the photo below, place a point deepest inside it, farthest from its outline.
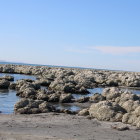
(82, 99)
(120, 127)
(111, 93)
(97, 98)
(65, 98)
(83, 112)
(54, 97)
(4, 84)
(28, 106)
(105, 111)
(7, 77)
(12, 86)
(42, 95)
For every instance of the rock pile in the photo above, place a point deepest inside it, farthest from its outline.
(118, 105)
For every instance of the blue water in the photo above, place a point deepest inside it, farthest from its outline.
(8, 98)
(92, 91)
(19, 76)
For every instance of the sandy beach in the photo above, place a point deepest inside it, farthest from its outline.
(52, 126)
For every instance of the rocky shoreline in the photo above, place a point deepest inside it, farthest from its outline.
(114, 104)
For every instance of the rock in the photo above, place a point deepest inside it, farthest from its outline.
(28, 106)
(4, 84)
(128, 96)
(66, 111)
(130, 105)
(21, 104)
(97, 98)
(7, 77)
(105, 111)
(129, 118)
(65, 98)
(42, 95)
(27, 93)
(12, 86)
(43, 82)
(120, 127)
(54, 97)
(137, 111)
(82, 99)
(111, 93)
(83, 112)
(112, 83)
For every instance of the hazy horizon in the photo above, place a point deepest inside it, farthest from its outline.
(77, 33)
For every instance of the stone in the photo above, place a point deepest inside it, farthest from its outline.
(4, 84)
(105, 111)
(83, 112)
(65, 98)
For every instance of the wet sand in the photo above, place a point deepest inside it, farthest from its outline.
(52, 126)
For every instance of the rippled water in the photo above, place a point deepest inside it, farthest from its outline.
(8, 97)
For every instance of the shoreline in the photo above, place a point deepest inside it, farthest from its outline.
(52, 126)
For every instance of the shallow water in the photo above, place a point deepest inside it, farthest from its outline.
(7, 100)
(67, 106)
(92, 91)
(8, 97)
(19, 76)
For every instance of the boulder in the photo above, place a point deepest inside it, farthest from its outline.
(7, 77)
(97, 98)
(105, 111)
(65, 98)
(12, 86)
(28, 106)
(83, 112)
(53, 97)
(4, 84)
(82, 99)
(111, 93)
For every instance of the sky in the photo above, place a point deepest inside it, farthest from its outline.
(102, 34)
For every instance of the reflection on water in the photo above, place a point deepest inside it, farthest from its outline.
(19, 76)
(7, 100)
(92, 91)
(66, 106)
(135, 91)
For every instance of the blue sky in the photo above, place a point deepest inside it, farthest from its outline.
(87, 33)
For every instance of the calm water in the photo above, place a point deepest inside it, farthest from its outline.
(8, 97)
(19, 76)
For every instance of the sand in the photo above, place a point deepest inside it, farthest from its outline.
(52, 126)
